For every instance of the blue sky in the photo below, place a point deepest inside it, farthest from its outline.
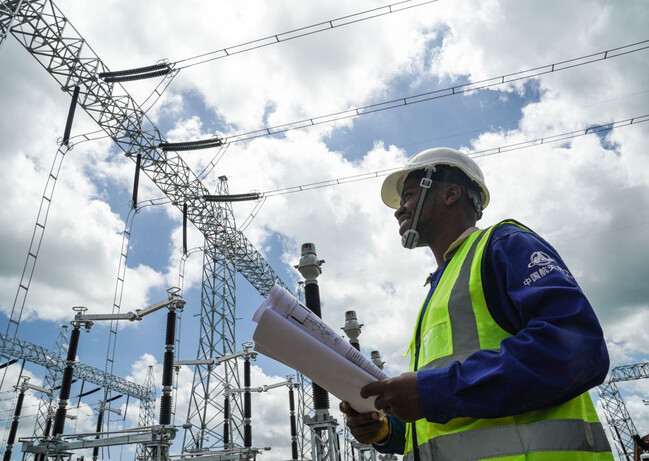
(585, 197)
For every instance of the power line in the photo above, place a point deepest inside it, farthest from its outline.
(474, 154)
(300, 32)
(422, 97)
(442, 93)
(165, 68)
(262, 196)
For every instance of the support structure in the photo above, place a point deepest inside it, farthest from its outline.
(11, 438)
(208, 405)
(64, 396)
(305, 411)
(156, 438)
(38, 355)
(53, 377)
(231, 393)
(56, 446)
(22, 388)
(147, 413)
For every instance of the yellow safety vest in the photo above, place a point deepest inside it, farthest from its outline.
(456, 324)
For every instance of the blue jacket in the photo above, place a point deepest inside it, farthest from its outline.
(557, 351)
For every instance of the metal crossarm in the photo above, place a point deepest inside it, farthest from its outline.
(629, 372)
(40, 356)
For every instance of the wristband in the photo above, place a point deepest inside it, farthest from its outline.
(385, 440)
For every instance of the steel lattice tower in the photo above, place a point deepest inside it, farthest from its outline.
(617, 415)
(217, 339)
(46, 33)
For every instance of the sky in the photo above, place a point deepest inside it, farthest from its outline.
(587, 195)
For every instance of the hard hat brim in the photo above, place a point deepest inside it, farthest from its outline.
(393, 183)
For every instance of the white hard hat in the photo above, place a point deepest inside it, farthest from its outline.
(393, 184)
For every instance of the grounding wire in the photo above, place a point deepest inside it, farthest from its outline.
(442, 93)
(301, 32)
(473, 154)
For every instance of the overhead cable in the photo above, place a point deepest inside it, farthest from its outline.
(442, 93)
(410, 100)
(561, 137)
(165, 68)
(474, 154)
(300, 32)
(261, 197)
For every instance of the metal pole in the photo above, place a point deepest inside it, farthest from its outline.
(68, 123)
(184, 228)
(100, 421)
(247, 412)
(136, 180)
(167, 369)
(59, 419)
(226, 420)
(291, 404)
(14, 423)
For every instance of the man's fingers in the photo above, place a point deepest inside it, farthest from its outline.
(347, 409)
(371, 389)
(379, 404)
(360, 419)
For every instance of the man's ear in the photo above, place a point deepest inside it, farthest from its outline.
(452, 194)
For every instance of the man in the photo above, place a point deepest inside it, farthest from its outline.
(505, 346)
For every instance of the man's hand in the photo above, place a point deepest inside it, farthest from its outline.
(365, 427)
(397, 396)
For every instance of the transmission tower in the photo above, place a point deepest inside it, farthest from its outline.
(47, 34)
(208, 403)
(623, 430)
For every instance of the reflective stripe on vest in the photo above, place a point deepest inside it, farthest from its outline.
(458, 323)
(495, 442)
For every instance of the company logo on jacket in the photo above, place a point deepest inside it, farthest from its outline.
(538, 258)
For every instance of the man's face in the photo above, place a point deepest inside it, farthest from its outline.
(406, 212)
